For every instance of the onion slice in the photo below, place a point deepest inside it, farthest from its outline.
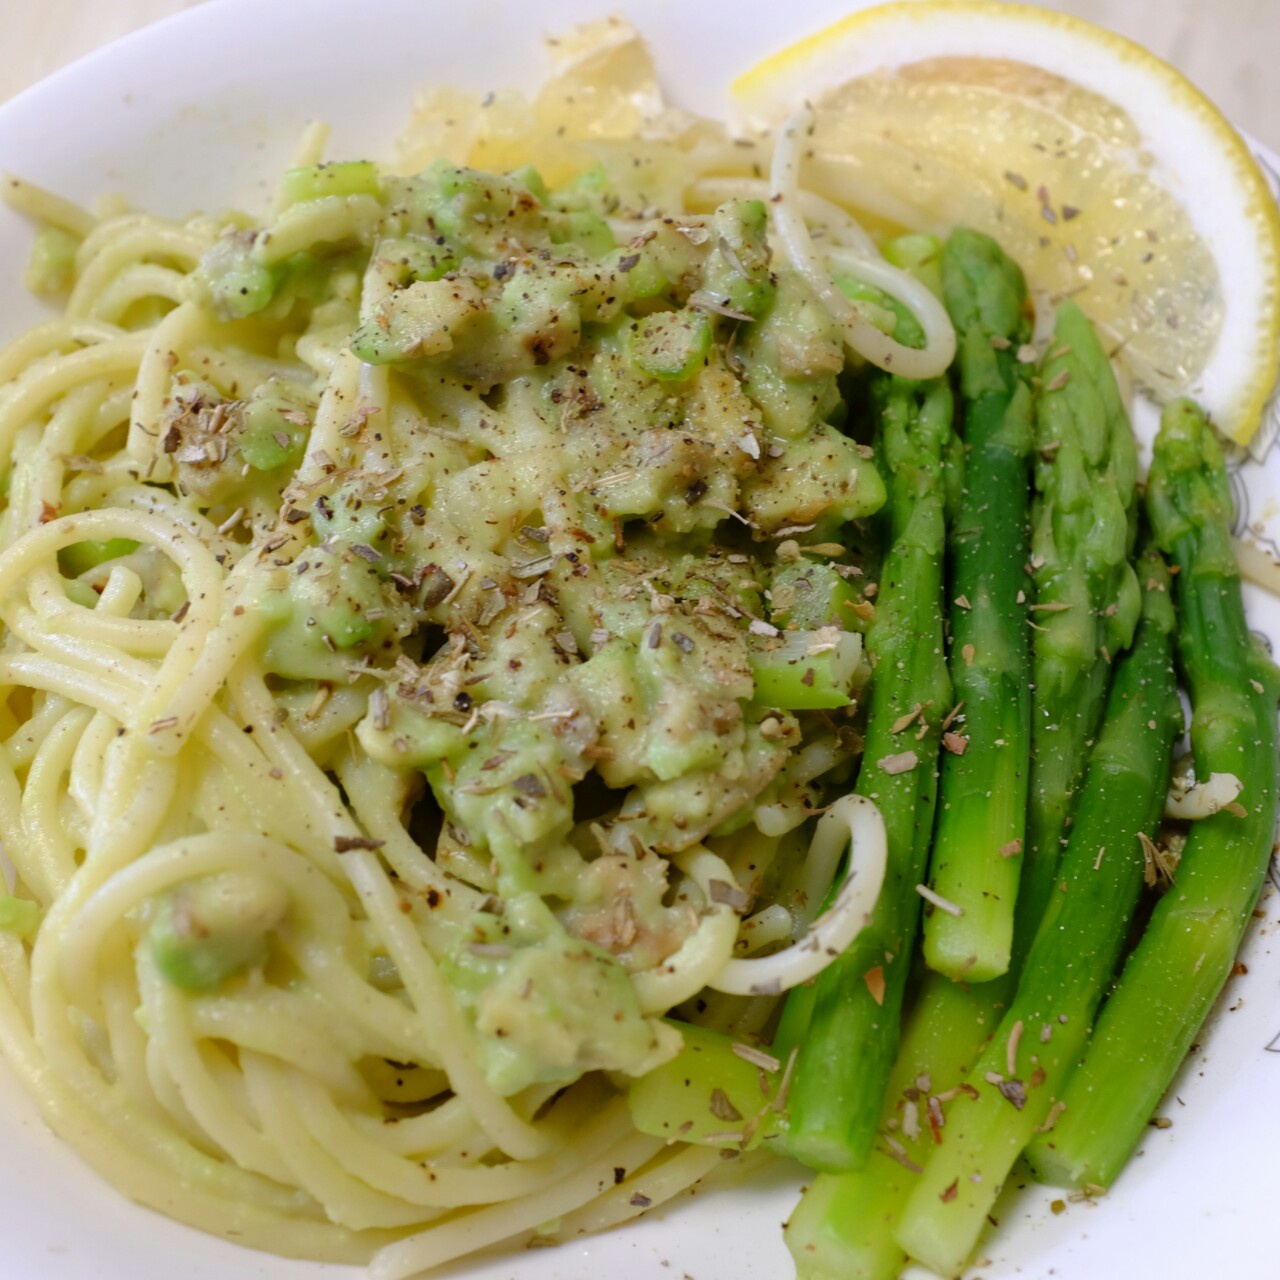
(1195, 800)
(852, 819)
(860, 334)
(836, 223)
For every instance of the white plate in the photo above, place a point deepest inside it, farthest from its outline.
(201, 111)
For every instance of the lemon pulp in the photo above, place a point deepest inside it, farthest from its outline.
(1010, 148)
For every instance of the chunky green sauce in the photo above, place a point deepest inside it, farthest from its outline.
(583, 554)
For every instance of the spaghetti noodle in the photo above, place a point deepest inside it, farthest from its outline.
(381, 750)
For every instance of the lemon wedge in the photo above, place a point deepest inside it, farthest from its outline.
(1100, 168)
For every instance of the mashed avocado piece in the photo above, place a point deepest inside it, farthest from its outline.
(550, 1010)
(206, 930)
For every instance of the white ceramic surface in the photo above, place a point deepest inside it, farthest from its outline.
(201, 112)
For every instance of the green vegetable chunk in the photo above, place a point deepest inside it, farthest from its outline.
(670, 345)
(737, 276)
(52, 266)
(80, 557)
(19, 916)
(273, 429)
(238, 284)
(919, 254)
(808, 670)
(339, 178)
(810, 594)
(711, 1093)
(205, 930)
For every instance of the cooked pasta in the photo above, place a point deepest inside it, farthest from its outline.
(426, 654)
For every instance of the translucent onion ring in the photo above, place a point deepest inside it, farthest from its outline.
(860, 334)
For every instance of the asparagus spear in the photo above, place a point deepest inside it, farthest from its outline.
(1188, 948)
(983, 790)
(1081, 517)
(1086, 606)
(847, 1027)
(1086, 596)
(1025, 1066)
(842, 1228)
